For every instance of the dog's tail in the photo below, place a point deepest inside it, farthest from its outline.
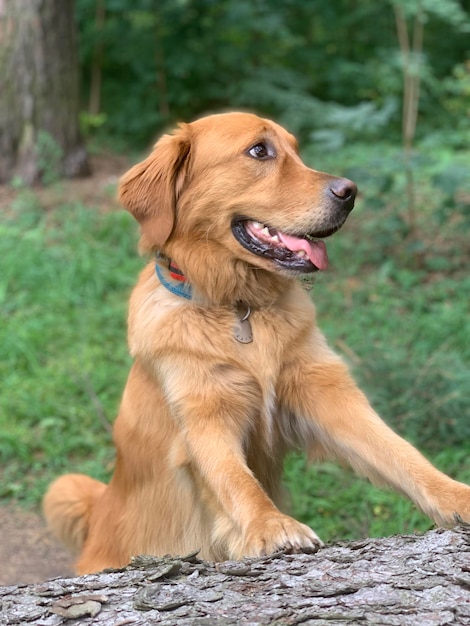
(67, 507)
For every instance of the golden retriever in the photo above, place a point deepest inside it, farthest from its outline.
(230, 369)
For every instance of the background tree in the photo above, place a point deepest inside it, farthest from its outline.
(410, 18)
(39, 107)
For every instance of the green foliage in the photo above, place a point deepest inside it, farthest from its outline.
(455, 95)
(91, 123)
(49, 158)
(447, 11)
(320, 68)
(63, 290)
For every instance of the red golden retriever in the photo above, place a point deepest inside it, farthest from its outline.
(230, 368)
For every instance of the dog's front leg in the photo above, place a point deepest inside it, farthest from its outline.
(215, 409)
(336, 414)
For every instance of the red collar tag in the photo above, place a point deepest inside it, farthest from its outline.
(176, 273)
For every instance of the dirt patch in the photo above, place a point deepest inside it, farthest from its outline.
(98, 190)
(28, 552)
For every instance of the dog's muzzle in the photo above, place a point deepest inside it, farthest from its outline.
(296, 251)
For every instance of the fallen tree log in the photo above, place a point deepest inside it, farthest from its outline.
(401, 580)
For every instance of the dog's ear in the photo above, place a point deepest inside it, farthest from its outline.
(151, 188)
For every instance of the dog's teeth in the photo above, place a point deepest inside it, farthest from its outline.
(258, 225)
(275, 239)
(266, 232)
(302, 254)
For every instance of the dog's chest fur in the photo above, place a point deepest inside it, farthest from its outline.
(162, 324)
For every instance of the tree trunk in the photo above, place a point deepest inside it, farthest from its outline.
(411, 48)
(402, 581)
(39, 106)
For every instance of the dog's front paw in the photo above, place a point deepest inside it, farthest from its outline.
(451, 506)
(461, 509)
(279, 532)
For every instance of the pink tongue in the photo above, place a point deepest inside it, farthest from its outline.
(315, 250)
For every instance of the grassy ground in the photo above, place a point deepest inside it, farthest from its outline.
(395, 306)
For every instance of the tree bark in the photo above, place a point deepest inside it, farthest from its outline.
(402, 581)
(39, 107)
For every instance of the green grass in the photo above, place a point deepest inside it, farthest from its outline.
(67, 275)
(397, 311)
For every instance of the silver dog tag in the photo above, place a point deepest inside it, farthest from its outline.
(242, 331)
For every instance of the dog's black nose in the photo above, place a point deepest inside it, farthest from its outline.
(344, 191)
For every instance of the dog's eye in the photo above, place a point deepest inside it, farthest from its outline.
(261, 151)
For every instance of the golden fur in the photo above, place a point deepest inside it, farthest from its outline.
(205, 420)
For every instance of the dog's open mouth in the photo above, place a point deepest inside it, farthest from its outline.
(299, 253)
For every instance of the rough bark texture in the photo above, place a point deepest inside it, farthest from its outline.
(405, 580)
(39, 103)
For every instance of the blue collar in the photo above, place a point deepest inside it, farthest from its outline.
(182, 289)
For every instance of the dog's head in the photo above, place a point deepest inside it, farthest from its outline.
(236, 182)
